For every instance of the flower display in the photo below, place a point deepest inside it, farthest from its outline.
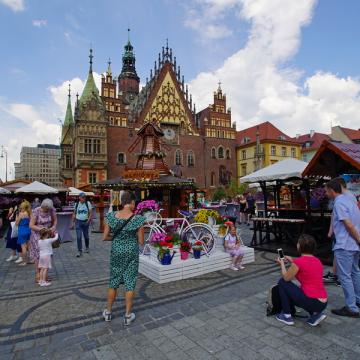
(185, 246)
(147, 205)
(203, 216)
(197, 246)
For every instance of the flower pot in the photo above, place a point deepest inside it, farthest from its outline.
(197, 254)
(222, 231)
(184, 255)
(211, 221)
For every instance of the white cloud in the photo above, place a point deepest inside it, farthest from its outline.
(259, 84)
(206, 18)
(14, 5)
(39, 23)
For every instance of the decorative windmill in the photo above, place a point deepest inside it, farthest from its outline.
(150, 163)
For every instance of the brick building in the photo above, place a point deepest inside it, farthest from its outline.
(95, 141)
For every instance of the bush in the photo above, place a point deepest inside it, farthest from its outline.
(219, 194)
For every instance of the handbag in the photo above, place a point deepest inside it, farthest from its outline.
(56, 243)
(14, 230)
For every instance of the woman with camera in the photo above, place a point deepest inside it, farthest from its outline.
(311, 295)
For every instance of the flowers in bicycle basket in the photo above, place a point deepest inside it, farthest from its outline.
(162, 240)
(197, 246)
(204, 214)
(147, 205)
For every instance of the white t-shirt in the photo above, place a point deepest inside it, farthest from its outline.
(45, 245)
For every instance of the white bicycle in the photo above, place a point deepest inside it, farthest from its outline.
(192, 233)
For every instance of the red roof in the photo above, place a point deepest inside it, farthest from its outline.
(352, 134)
(267, 131)
(314, 141)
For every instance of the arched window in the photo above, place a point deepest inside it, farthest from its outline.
(228, 154)
(213, 179)
(121, 158)
(213, 153)
(190, 158)
(220, 152)
(178, 157)
(223, 175)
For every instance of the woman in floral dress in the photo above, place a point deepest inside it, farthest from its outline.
(43, 216)
(127, 233)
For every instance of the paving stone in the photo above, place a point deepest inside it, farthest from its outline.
(23, 345)
(184, 342)
(105, 353)
(89, 344)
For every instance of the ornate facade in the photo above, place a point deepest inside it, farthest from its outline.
(199, 146)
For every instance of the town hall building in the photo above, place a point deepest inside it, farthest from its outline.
(96, 138)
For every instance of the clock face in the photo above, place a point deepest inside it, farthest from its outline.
(169, 134)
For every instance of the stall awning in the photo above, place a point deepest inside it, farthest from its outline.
(282, 170)
(75, 192)
(333, 159)
(37, 187)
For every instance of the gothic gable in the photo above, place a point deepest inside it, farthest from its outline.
(167, 103)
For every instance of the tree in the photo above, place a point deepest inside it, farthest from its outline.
(219, 194)
(234, 189)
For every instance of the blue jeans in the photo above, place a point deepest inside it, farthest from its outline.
(291, 294)
(82, 227)
(347, 269)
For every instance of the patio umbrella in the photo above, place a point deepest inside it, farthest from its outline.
(37, 187)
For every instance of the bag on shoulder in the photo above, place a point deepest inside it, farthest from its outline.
(14, 230)
(273, 303)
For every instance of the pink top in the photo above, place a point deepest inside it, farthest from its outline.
(310, 276)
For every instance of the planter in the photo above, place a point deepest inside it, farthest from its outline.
(184, 255)
(197, 254)
(222, 231)
(211, 221)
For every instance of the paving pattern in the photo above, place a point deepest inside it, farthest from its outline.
(216, 316)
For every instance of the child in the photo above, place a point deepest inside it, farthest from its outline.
(45, 247)
(232, 246)
(23, 221)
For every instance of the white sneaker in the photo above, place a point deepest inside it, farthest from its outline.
(45, 283)
(240, 267)
(128, 319)
(107, 315)
(19, 260)
(11, 258)
(232, 267)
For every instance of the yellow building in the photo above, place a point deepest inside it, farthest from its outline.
(263, 145)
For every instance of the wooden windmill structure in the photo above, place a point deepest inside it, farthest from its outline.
(150, 164)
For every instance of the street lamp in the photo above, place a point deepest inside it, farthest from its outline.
(5, 154)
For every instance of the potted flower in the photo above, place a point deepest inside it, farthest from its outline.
(222, 222)
(196, 248)
(147, 206)
(185, 248)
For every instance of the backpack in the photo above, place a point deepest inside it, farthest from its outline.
(273, 303)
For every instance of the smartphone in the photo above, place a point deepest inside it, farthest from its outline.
(281, 253)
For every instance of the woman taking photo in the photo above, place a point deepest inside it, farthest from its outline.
(126, 232)
(311, 295)
(42, 217)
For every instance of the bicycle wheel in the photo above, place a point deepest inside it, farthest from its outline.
(153, 218)
(200, 232)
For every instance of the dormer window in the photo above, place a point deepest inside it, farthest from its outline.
(245, 140)
(282, 137)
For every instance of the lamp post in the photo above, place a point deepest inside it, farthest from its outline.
(5, 154)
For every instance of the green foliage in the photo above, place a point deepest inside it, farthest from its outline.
(219, 194)
(235, 189)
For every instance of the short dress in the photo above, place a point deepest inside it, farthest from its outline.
(124, 256)
(24, 231)
(231, 249)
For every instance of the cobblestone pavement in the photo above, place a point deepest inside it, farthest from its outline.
(216, 316)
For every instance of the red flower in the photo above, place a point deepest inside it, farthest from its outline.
(198, 243)
(163, 243)
(168, 238)
(170, 246)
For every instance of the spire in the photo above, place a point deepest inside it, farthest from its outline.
(109, 72)
(90, 90)
(91, 60)
(69, 116)
(219, 87)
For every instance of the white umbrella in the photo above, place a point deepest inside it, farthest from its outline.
(282, 170)
(4, 191)
(75, 192)
(37, 187)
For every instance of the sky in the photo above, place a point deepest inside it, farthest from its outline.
(294, 63)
